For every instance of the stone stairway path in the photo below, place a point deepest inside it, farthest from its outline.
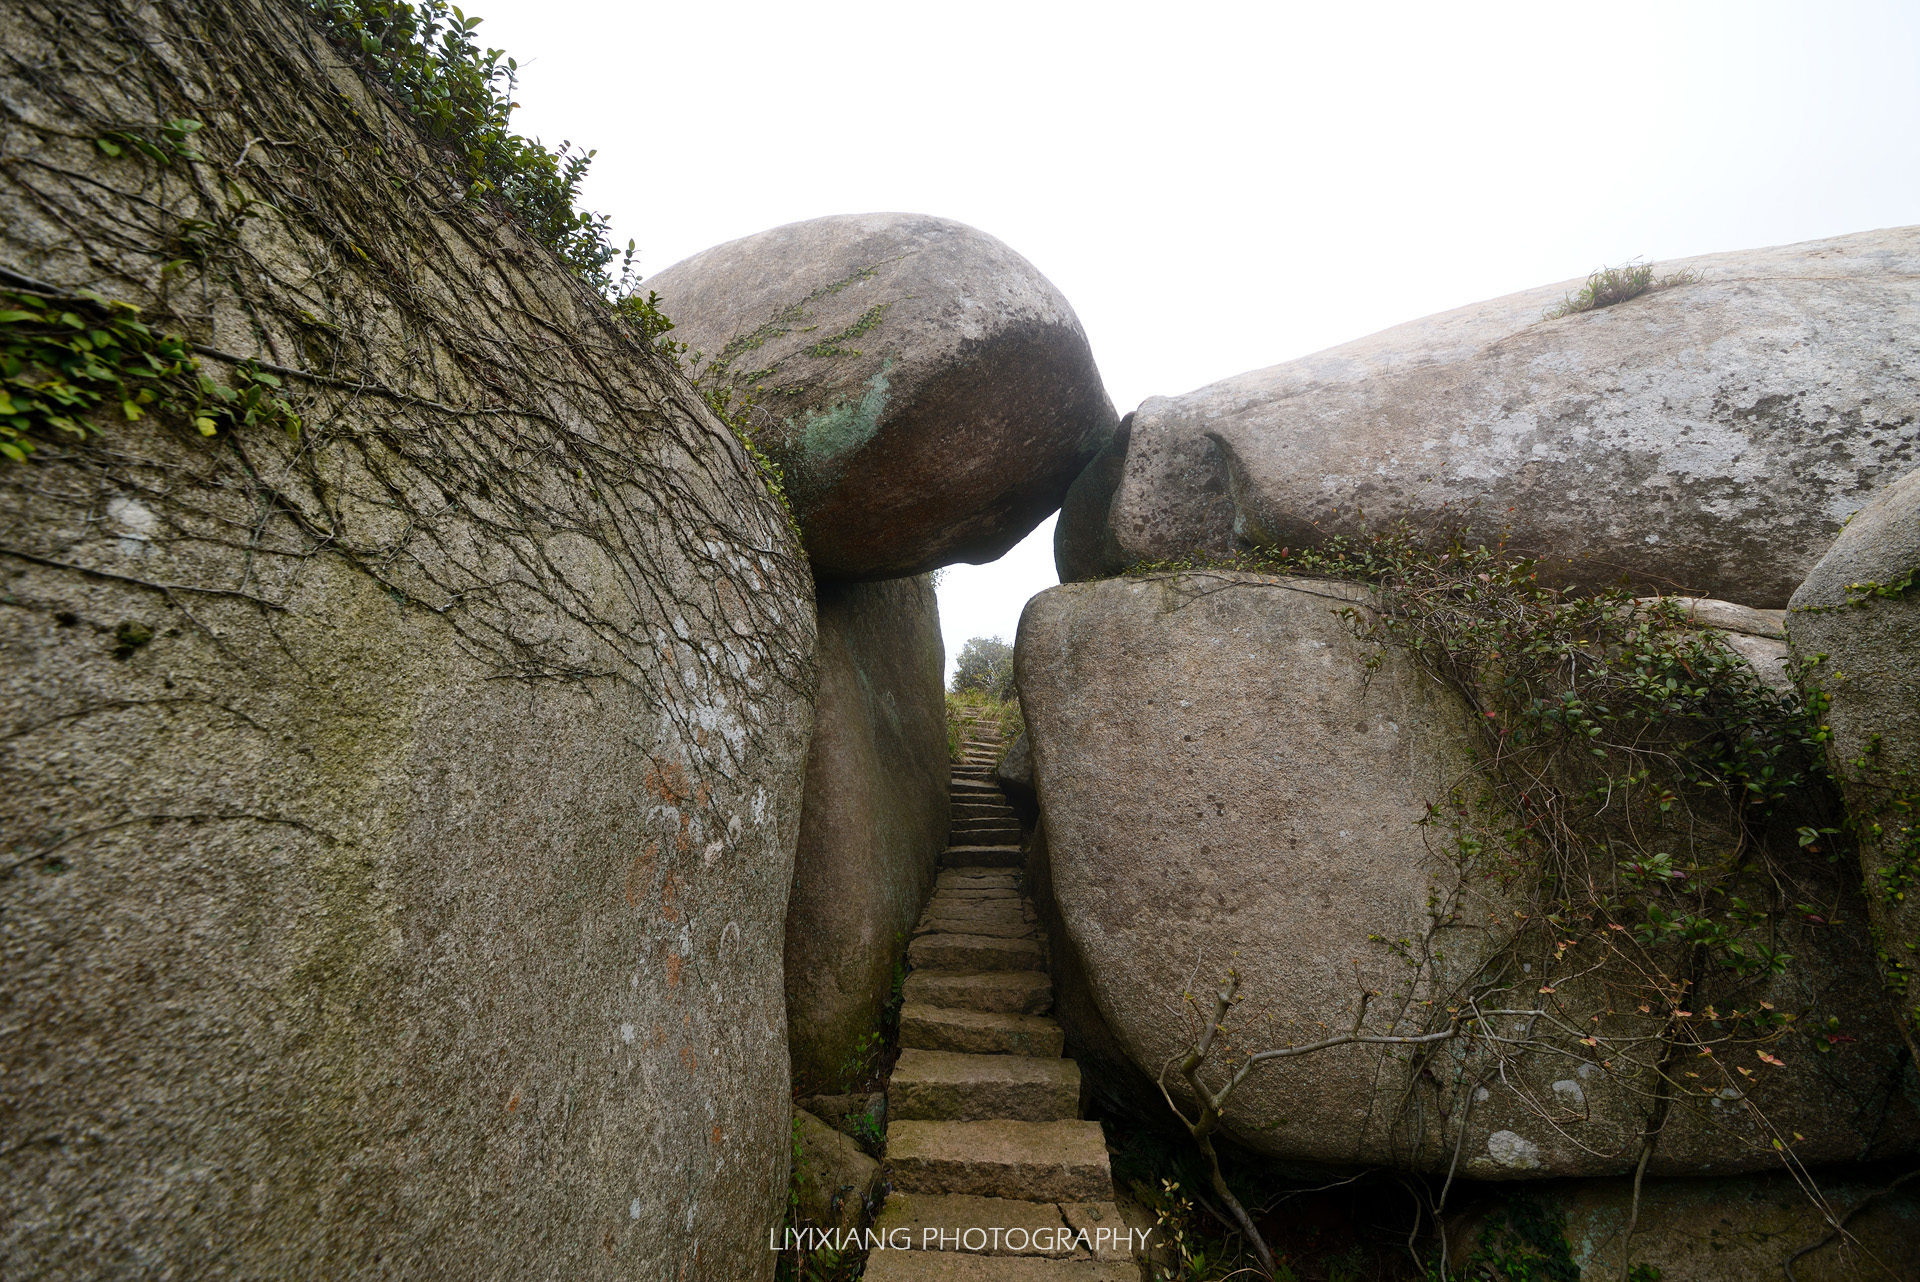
(994, 1173)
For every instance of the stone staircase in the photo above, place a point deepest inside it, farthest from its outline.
(983, 1115)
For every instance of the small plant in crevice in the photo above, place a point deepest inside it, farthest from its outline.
(1611, 285)
(1183, 1250)
(856, 1068)
(1521, 1242)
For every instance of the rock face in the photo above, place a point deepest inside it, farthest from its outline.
(1014, 774)
(928, 394)
(1860, 608)
(1724, 1230)
(400, 816)
(833, 1177)
(874, 819)
(1707, 438)
(1225, 779)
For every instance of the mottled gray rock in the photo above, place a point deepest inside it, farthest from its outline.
(1707, 438)
(1721, 1230)
(1223, 779)
(1084, 546)
(874, 818)
(1859, 612)
(399, 818)
(833, 1177)
(929, 395)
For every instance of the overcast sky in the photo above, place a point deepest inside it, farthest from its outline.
(1219, 187)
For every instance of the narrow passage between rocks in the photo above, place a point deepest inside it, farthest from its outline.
(994, 1173)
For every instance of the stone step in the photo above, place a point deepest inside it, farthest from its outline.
(941, 1222)
(1006, 992)
(981, 896)
(995, 856)
(975, 788)
(1064, 1161)
(952, 1086)
(974, 953)
(977, 878)
(979, 1032)
(1002, 928)
(962, 1266)
(984, 832)
(1004, 901)
(972, 906)
(984, 837)
(983, 810)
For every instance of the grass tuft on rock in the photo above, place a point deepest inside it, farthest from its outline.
(1611, 285)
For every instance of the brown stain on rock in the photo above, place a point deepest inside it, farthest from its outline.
(640, 873)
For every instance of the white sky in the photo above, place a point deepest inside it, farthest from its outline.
(1219, 187)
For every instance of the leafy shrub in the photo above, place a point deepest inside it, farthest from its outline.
(1521, 1243)
(985, 666)
(462, 95)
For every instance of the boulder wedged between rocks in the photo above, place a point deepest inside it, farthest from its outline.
(928, 394)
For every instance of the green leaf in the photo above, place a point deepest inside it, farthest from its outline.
(112, 149)
(12, 316)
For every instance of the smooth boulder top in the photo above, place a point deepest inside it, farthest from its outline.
(1708, 438)
(928, 394)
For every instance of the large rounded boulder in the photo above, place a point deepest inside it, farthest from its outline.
(928, 395)
(1229, 777)
(400, 804)
(1857, 621)
(1705, 438)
